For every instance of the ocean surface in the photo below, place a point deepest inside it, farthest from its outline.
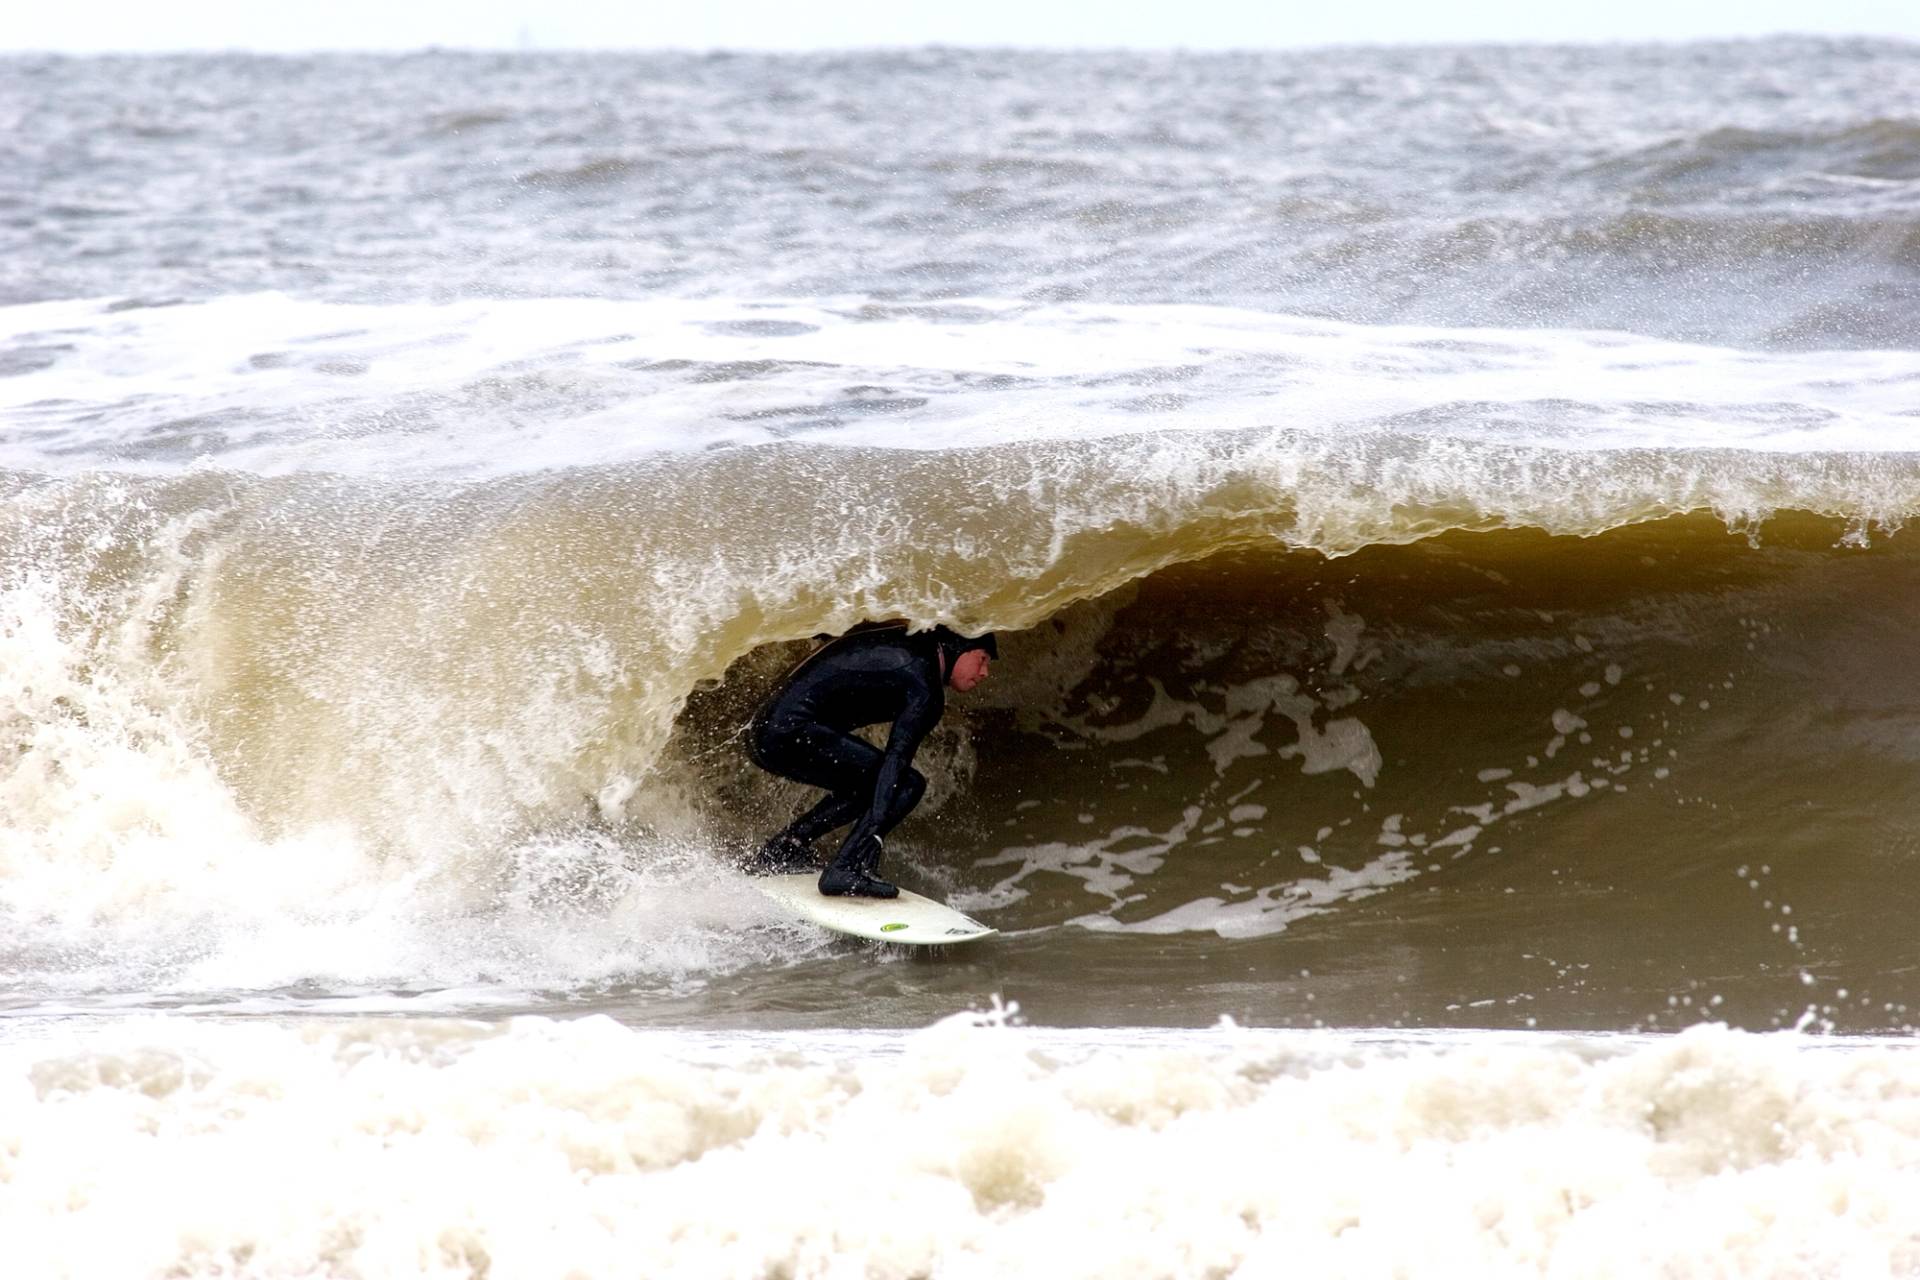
(1448, 793)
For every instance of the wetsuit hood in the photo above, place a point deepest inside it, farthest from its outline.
(952, 644)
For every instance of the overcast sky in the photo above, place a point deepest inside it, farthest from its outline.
(264, 25)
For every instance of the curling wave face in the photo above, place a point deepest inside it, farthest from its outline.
(1262, 686)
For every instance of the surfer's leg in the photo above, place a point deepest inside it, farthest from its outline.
(913, 785)
(791, 848)
(833, 811)
(854, 869)
(837, 810)
(820, 756)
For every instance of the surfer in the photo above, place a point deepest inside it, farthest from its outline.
(803, 732)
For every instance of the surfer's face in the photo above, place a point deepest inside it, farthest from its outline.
(969, 669)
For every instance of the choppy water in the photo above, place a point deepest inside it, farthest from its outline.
(1443, 510)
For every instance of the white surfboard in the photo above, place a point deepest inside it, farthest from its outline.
(908, 919)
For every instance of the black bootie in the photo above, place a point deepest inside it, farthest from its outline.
(850, 874)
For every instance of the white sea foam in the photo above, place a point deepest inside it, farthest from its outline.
(269, 383)
(971, 1149)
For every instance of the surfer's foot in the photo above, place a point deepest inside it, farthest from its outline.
(783, 855)
(851, 882)
(850, 875)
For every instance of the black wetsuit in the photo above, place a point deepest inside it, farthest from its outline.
(804, 733)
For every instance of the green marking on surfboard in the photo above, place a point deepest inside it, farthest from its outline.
(891, 928)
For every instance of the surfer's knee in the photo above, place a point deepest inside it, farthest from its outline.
(777, 750)
(759, 751)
